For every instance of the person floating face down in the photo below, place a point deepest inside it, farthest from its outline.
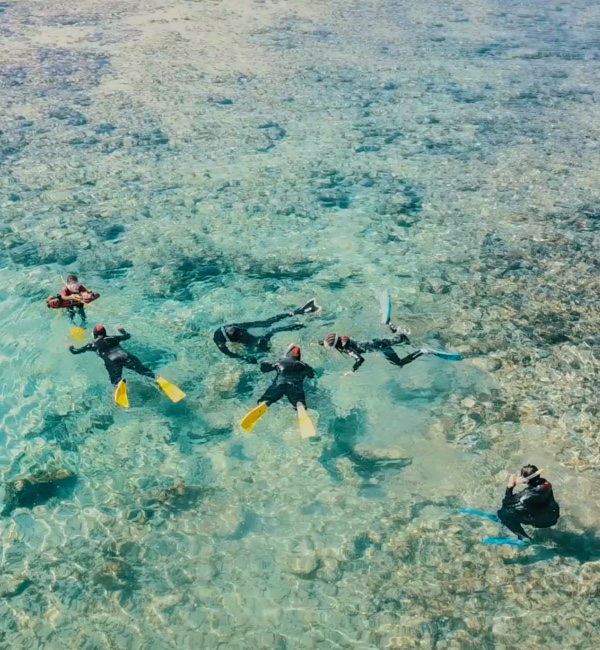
(258, 343)
(534, 506)
(116, 359)
(74, 291)
(289, 380)
(355, 349)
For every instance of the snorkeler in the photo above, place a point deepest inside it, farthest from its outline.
(288, 382)
(534, 506)
(257, 343)
(116, 359)
(355, 349)
(73, 296)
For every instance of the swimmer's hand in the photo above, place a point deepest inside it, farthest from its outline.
(512, 481)
(347, 374)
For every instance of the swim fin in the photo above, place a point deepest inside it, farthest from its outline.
(310, 307)
(253, 417)
(504, 541)
(447, 356)
(121, 397)
(386, 307)
(78, 333)
(174, 393)
(480, 513)
(307, 428)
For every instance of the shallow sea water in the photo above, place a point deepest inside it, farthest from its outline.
(201, 162)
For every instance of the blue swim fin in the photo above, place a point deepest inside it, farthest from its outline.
(386, 307)
(447, 356)
(506, 541)
(499, 541)
(480, 513)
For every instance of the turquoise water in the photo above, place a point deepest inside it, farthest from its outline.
(205, 162)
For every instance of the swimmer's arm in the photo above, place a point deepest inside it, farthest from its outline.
(510, 499)
(266, 366)
(358, 360)
(221, 343)
(264, 323)
(123, 336)
(86, 348)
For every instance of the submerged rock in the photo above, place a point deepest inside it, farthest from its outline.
(11, 586)
(40, 472)
(302, 560)
(175, 498)
(301, 565)
(38, 489)
(397, 454)
(114, 575)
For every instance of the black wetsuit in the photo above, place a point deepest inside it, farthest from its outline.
(355, 350)
(256, 343)
(289, 381)
(535, 506)
(115, 358)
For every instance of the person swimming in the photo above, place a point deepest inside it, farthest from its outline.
(355, 349)
(258, 343)
(534, 506)
(116, 359)
(72, 297)
(288, 382)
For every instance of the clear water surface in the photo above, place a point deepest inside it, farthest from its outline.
(201, 162)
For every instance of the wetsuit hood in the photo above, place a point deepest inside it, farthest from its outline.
(235, 334)
(99, 330)
(531, 470)
(293, 352)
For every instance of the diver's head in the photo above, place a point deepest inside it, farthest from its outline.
(335, 341)
(99, 330)
(234, 334)
(73, 282)
(293, 352)
(528, 471)
(330, 341)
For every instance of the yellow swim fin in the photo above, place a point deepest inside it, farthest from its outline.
(121, 397)
(78, 333)
(171, 391)
(253, 417)
(307, 428)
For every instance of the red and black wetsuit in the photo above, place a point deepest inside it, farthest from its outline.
(355, 350)
(109, 349)
(289, 381)
(535, 506)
